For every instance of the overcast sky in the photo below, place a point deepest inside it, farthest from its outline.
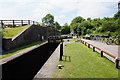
(63, 10)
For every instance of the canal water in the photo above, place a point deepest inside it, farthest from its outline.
(27, 65)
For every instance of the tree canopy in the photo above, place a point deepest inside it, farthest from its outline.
(78, 19)
(117, 15)
(57, 25)
(89, 26)
(96, 26)
(65, 29)
(48, 20)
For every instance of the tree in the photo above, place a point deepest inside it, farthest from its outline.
(99, 29)
(65, 29)
(79, 30)
(57, 25)
(48, 20)
(117, 21)
(88, 31)
(74, 22)
(83, 30)
(88, 19)
(87, 24)
(84, 27)
(96, 25)
(110, 26)
(96, 22)
(117, 15)
(75, 27)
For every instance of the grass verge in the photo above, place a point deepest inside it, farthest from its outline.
(11, 52)
(71, 39)
(84, 63)
(11, 32)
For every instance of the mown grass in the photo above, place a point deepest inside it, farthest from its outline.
(84, 63)
(11, 52)
(11, 32)
(71, 39)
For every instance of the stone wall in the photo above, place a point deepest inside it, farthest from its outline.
(49, 67)
(30, 35)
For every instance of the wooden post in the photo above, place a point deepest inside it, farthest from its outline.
(29, 22)
(116, 63)
(21, 22)
(93, 49)
(1, 23)
(88, 45)
(13, 23)
(101, 54)
(33, 22)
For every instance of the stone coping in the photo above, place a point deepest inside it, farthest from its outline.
(50, 66)
(21, 32)
(9, 58)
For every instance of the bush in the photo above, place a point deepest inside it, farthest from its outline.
(9, 25)
(109, 26)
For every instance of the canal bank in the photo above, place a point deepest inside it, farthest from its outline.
(27, 65)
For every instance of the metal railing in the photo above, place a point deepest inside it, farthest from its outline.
(17, 22)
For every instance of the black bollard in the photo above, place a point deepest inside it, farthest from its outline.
(48, 40)
(61, 50)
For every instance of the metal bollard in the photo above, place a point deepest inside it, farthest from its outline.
(61, 50)
(48, 40)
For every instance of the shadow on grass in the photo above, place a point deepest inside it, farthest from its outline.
(66, 58)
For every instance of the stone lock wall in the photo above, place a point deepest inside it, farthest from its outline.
(32, 34)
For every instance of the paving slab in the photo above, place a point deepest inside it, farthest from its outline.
(49, 67)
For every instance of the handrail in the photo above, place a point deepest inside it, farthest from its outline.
(18, 22)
